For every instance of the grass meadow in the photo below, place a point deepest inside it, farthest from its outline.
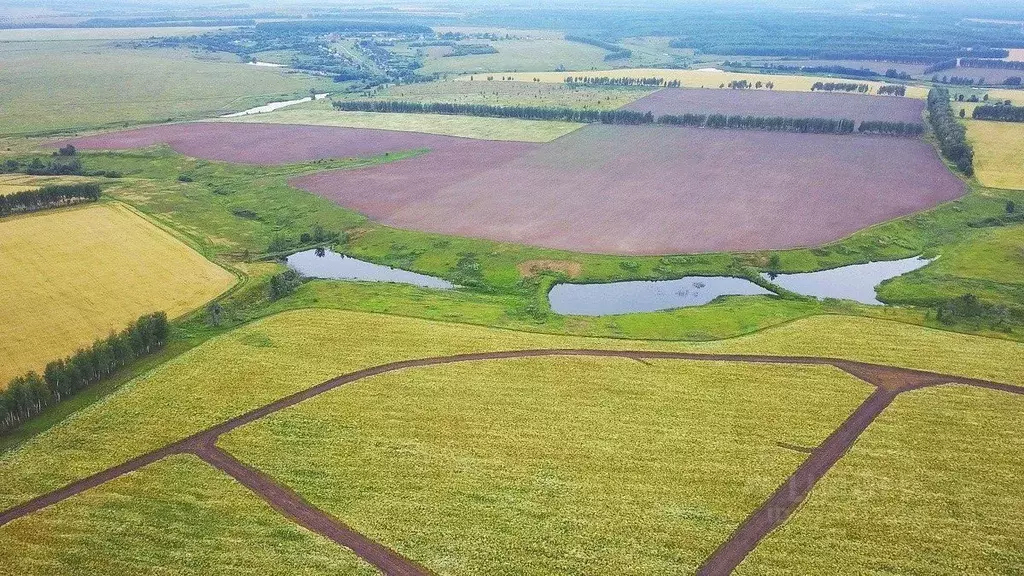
(104, 86)
(265, 360)
(553, 465)
(509, 129)
(74, 275)
(930, 488)
(998, 153)
(12, 183)
(178, 513)
(700, 78)
(521, 55)
(497, 93)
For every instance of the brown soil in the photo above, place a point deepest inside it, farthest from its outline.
(657, 190)
(855, 107)
(601, 189)
(532, 268)
(889, 382)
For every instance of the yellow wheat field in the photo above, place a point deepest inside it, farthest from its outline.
(74, 275)
(998, 153)
(700, 78)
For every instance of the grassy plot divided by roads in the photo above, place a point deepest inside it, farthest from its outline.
(177, 515)
(74, 275)
(552, 465)
(932, 487)
(292, 351)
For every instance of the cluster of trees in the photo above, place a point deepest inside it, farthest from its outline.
(969, 309)
(607, 81)
(840, 87)
(609, 46)
(283, 284)
(747, 84)
(897, 75)
(951, 134)
(892, 89)
(890, 128)
(991, 63)
(471, 49)
(28, 395)
(524, 112)
(766, 123)
(1001, 113)
(1012, 81)
(941, 65)
(57, 166)
(956, 80)
(48, 197)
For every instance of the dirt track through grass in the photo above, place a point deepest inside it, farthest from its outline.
(889, 382)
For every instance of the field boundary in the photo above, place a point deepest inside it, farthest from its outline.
(888, 381)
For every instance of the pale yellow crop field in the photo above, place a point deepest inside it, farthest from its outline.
(13, 183)
(703, 79)
(1016, 54)
(72, 276)
(509, 129)
(998, 153)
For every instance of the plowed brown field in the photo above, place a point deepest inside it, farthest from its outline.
(606, 189)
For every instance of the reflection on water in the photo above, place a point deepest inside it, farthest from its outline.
(856, 282)
(646, 296)
(275, 106)
(323, 263)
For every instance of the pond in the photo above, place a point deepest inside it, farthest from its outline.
(266, 64)
(274, 106)
(327, 264)
(646, 296)
(856, 282)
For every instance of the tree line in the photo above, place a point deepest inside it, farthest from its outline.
(840, 87)
(1001, 113)
(50, 196)
(523, 112)
(608, 81)
(766, 123)
(27, 396)
(615, 52)
(940, 66)
(991, 63)
(956, 80)
(890, 128)
(950, 132)
(892, 90)
(736, 121)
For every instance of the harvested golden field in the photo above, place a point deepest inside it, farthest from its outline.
(74, 275)
(288, 352)
(998, 153)
(931, 487)
(506, 129)
(702, 78)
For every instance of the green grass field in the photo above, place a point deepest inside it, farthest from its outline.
(288, 352)
(543, 466)
(102, 86)
(498, 93)
(177, 515)
(510, 129)
(74, 275)
(930, 488)
(528, 55)
(998, 153)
